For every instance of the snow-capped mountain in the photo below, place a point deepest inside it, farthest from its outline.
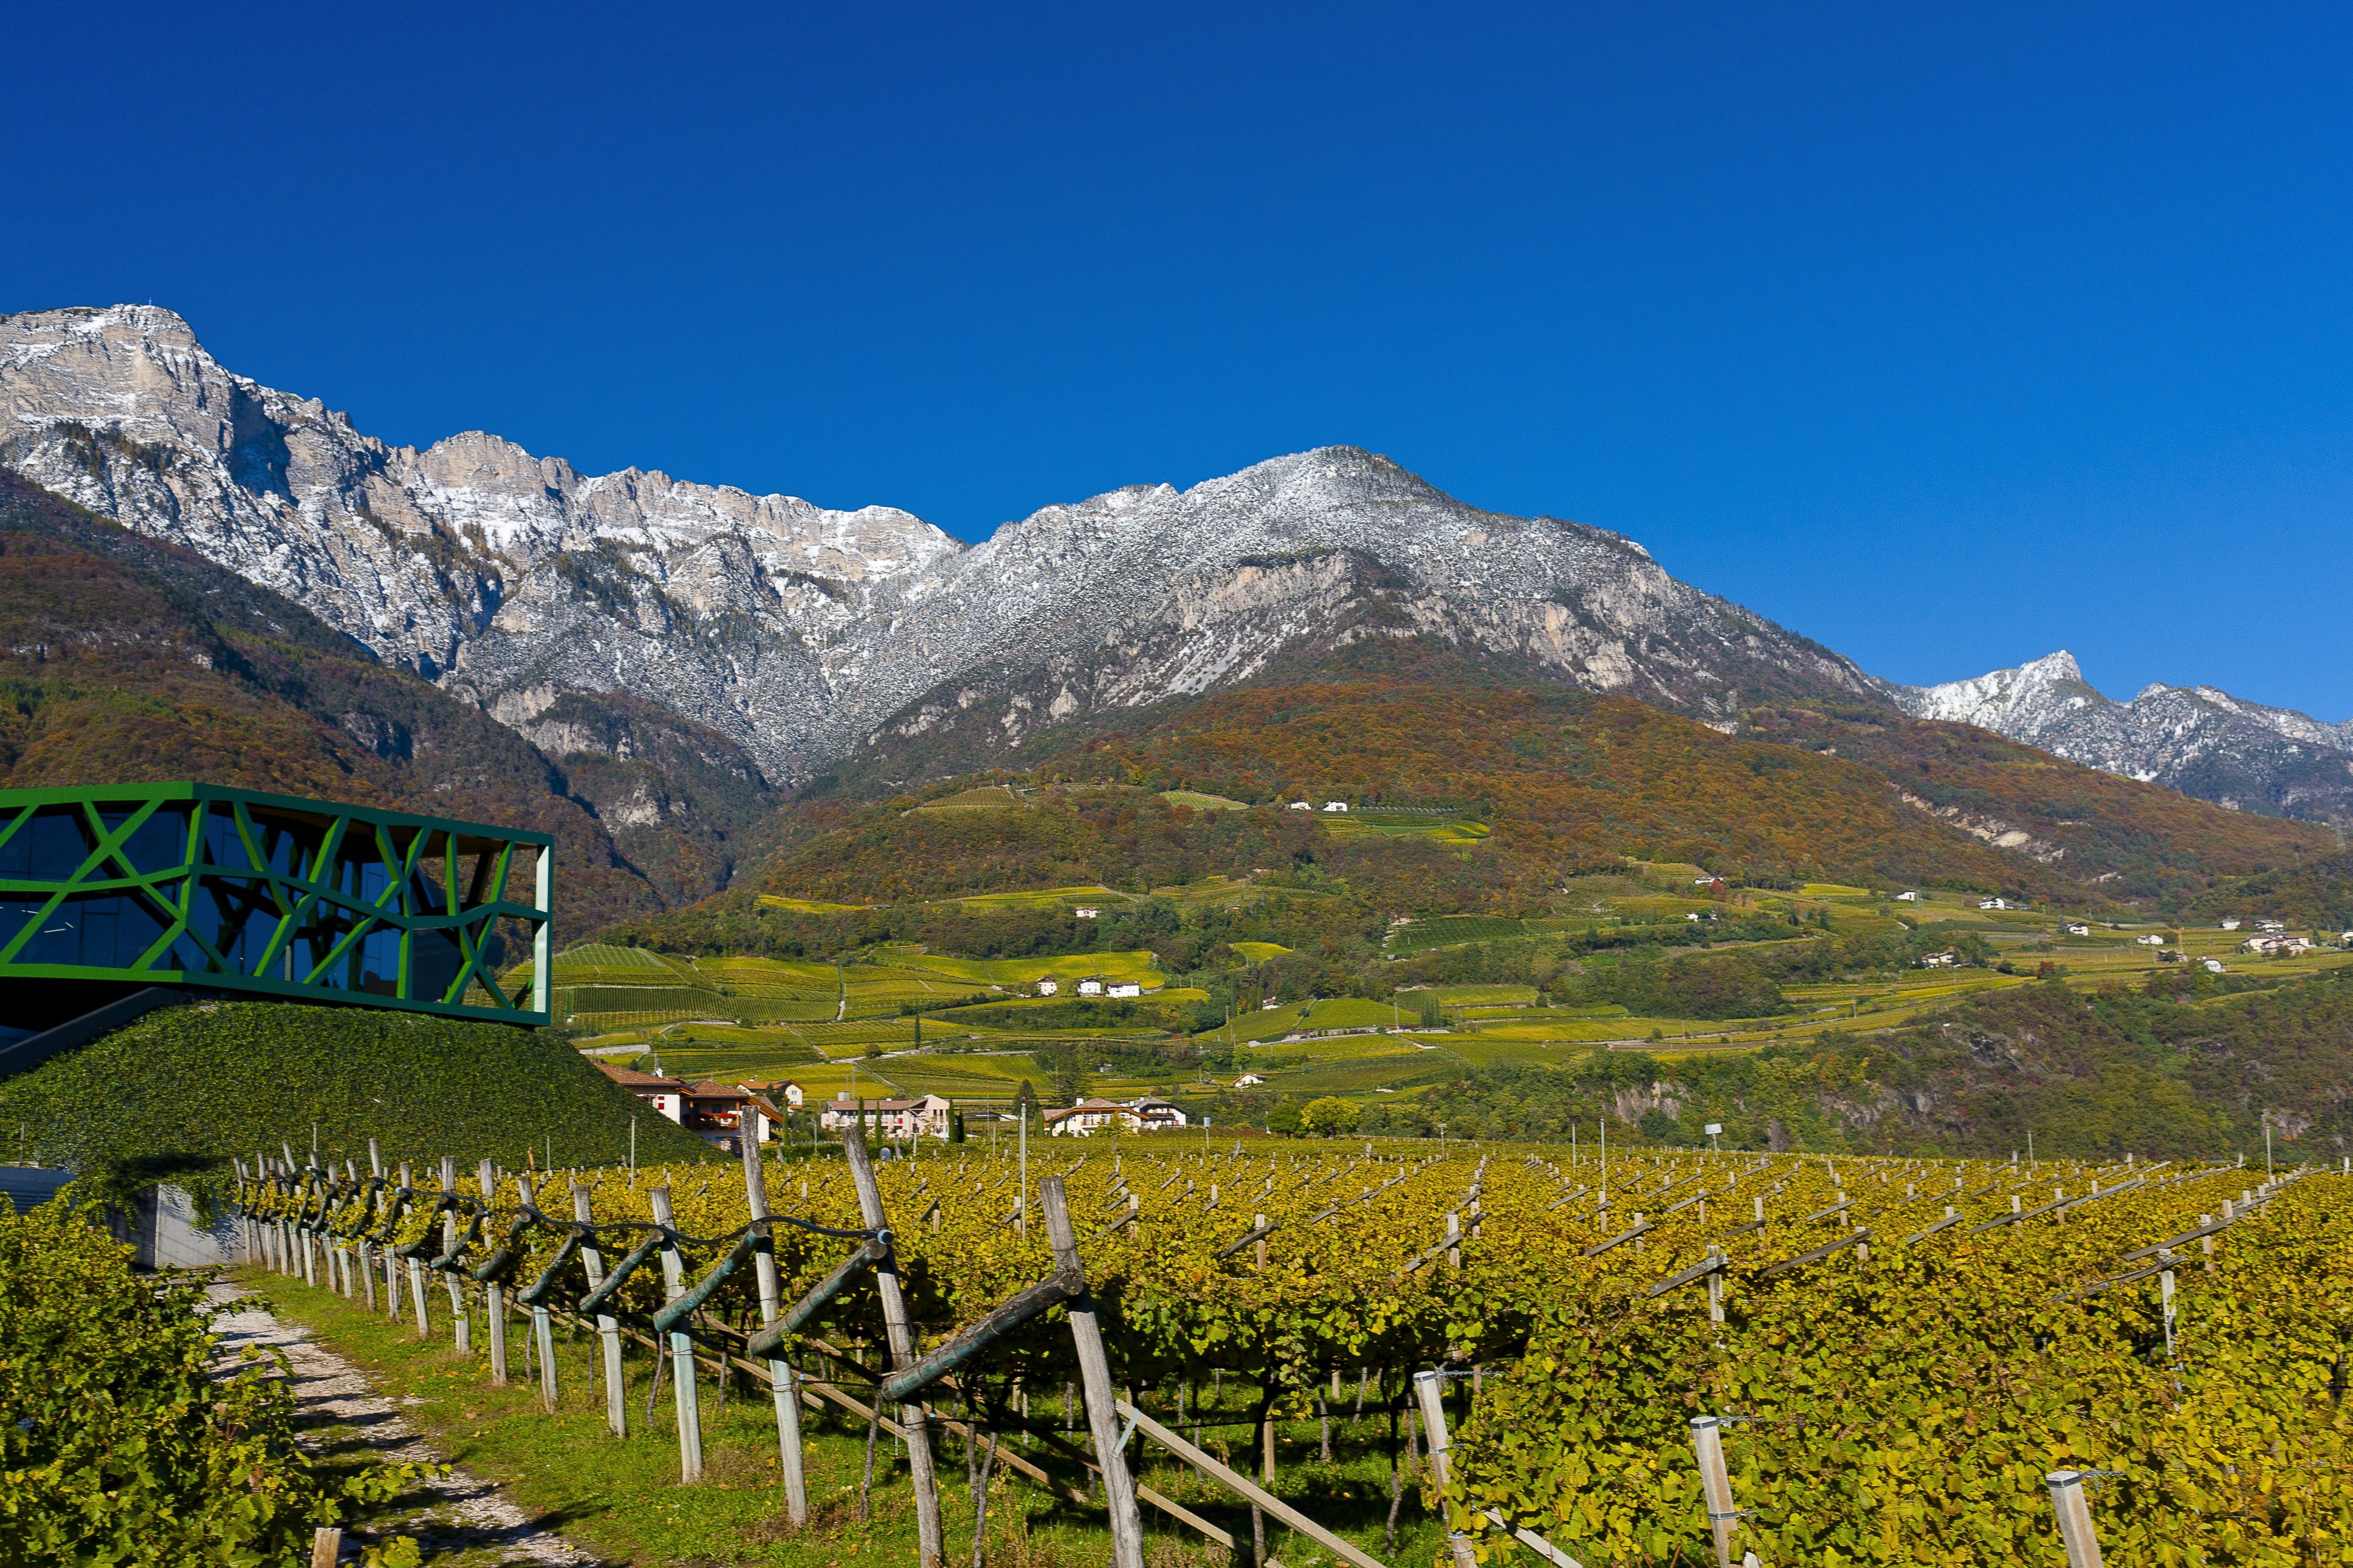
(798, 632)
(2195, 739)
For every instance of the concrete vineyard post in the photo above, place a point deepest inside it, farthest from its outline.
(460, 1329)
(609, 1328)
(1094, 1371)
(930, 1539)
(682, 1345)
(2075, 1511)
(1430, 1397)
(543, 1325)
(781, 1381)
(417, 1272)
(1708, 1442)
(495, 1295)
(326, 1545)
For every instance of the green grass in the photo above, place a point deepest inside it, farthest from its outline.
(1377, 822)
(1451, 930)
(622, 1501)
(175, 1094)
(988, 797)
(1200, 802)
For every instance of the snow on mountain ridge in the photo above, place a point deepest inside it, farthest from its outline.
(2199, 740)
(797, 632)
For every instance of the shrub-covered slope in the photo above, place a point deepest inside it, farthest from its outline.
(2185, 1068)
(174, 1095)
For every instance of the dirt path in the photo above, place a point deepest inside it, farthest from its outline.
(467, 1515)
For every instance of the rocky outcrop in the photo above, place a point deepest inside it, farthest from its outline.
(796, 633)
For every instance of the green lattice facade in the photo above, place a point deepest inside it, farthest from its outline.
(230, 890)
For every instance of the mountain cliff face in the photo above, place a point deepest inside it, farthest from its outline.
(795, 632)
(2197, 740)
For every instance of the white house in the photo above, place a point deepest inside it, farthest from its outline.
(2151, 940)
(2213, 965)
(1127, 988)
(1048, 986)
(1995, 904)
(1247, 1080)
(1301, 805)
(2231, 924)
(666, 1095)
(1944, 960)
(1086, 911)
(782, 1091)
(2077, 928)
(2277, 946)
(2275, 927)
(1335, 806)
(1089, 987)
(1269, 1005)
(1690, 917)
(1091, 1116)
(1913, 898)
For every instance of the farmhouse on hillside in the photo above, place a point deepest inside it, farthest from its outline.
(1944, 960)
(1127, 988)
(925, 1116)
(1089, 987)
(2077, 928)
(1047, 985)
(1335, 806)
(666, 1095)
(1301, 805)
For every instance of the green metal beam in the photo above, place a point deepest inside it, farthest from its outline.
(326, 895)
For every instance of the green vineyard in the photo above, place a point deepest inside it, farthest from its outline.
(1675, 1360)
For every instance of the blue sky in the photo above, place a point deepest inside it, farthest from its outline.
(1947, 336)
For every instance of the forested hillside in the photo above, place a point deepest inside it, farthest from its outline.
(1562, 779)
(2136, 840)
(2179, 1067)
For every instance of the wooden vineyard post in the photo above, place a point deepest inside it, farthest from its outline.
(609, 1328)
(461, 1330)
(2075, 1511)
(1429, 1392)
(931, 1550)
(495, 1295)
(1094, 1371)
(781, 1381)
(682, 1346)
(326, 1545)
(1708, 1442)
(543, 1325)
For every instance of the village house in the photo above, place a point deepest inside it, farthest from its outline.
(2277, 946)
(2077, 928)
(2150, 939)
(720, 1113)
(1335, 806)
(781, 1091)
(1089, 987)
(2232, 924)
(2272, 927)
(2213, 965)
(666, 1095)
(1086, 911)
(1996, 904)
(926, 1116)
(1946, 959)
(1091, 1116)
(1048, 986)
(1301, 805)
(1907, 898)
(1127, 988)
(1247, 1080)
